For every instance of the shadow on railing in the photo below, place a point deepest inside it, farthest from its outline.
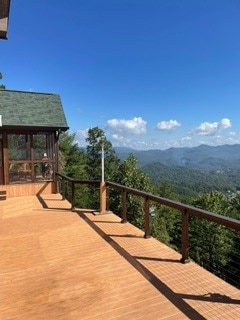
(66, 183)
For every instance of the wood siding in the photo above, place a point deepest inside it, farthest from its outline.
(20, 190)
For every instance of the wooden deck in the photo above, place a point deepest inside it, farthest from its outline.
(58, 264)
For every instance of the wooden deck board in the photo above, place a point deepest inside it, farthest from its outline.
(58, 264)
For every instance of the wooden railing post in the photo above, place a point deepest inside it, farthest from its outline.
(124, 206)
(185, 236)
(103, 197)
(147, 217)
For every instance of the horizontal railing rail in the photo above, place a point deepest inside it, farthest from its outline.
(73, 182)
(77, 181)
(186, 210)
(200, 213)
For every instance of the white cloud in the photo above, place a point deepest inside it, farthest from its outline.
(132, 133)
(212, 128)
(120, 139)
(186, 139)
(135, 126)
(224, 124)
(168, 125)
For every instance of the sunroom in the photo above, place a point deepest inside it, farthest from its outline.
(30, 125)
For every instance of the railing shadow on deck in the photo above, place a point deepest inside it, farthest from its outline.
(210, 297)
(157, 283)
(45, 205)
(177, 299)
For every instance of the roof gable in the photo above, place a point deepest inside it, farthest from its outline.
(31, 109)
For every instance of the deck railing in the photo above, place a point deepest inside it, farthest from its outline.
(185, 210)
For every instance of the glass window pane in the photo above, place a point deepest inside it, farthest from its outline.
(19, 147)
(39, 145)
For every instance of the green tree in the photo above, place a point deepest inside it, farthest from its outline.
(211, 243)
(166, 222)
(233, 267)
(129, 175)
(72, 163)
(235, 204)
(72, 158)
(97, 140)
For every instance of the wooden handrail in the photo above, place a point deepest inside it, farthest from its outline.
(77, 181)
(186, 210)
(197, 212)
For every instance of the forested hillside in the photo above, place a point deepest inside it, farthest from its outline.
(191, 170)
(203, 157)
(190, 182)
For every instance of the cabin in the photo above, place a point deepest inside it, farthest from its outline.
(30, 126)
(4, 18)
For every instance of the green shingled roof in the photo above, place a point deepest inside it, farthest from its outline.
(31, 109)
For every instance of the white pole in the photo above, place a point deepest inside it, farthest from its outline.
(102, 162)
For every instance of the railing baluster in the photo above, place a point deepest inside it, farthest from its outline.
(185, 236)
(147, 218)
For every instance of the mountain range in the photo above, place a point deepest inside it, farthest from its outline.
(191, 170)
(202, 157)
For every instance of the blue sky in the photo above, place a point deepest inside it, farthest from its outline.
(153, 74)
